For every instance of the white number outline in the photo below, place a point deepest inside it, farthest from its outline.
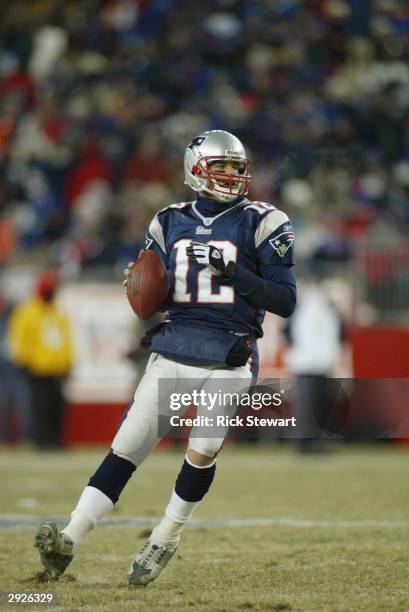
(182, 265)
(260, 207)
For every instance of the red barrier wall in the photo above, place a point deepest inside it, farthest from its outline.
(92, 423)
(380, 352)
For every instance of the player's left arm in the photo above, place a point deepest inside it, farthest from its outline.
(274, 287)
(275, 290)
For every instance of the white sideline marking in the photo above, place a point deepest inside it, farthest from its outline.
(15, 522)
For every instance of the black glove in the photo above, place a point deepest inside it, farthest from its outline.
(211, 256)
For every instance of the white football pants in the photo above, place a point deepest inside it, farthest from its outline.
(139, 432)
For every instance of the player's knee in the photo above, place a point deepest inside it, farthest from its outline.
(199, 459)
(131, 457)
(134, 440)
(206, 448)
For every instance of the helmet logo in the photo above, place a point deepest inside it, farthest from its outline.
(196, 142)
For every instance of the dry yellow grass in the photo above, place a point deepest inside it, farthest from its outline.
(335, 536)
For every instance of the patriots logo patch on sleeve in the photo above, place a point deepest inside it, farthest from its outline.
(282, 241)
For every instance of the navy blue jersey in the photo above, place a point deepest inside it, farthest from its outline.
(256, 236)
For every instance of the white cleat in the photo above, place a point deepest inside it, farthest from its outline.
(149, 563)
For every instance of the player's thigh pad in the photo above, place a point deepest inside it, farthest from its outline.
(138, 433)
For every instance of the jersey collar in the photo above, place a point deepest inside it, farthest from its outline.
(211, 209)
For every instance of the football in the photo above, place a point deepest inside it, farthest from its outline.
(148, 284)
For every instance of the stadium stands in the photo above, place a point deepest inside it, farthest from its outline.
(98, 100)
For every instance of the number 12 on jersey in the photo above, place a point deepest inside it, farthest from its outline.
(206, 294)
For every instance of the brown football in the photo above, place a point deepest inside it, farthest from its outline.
(148, 284)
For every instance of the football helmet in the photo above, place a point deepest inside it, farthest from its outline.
(212, 147)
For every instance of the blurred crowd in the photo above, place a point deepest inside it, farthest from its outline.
(98, 99)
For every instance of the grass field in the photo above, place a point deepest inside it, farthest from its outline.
(311, 533)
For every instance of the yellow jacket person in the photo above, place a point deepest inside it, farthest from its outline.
(41, 344)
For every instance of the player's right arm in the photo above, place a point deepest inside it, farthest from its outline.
(154, 241)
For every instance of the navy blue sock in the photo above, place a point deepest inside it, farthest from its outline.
(112, 476)
(193, 483)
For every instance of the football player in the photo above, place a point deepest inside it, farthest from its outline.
(229, 259)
